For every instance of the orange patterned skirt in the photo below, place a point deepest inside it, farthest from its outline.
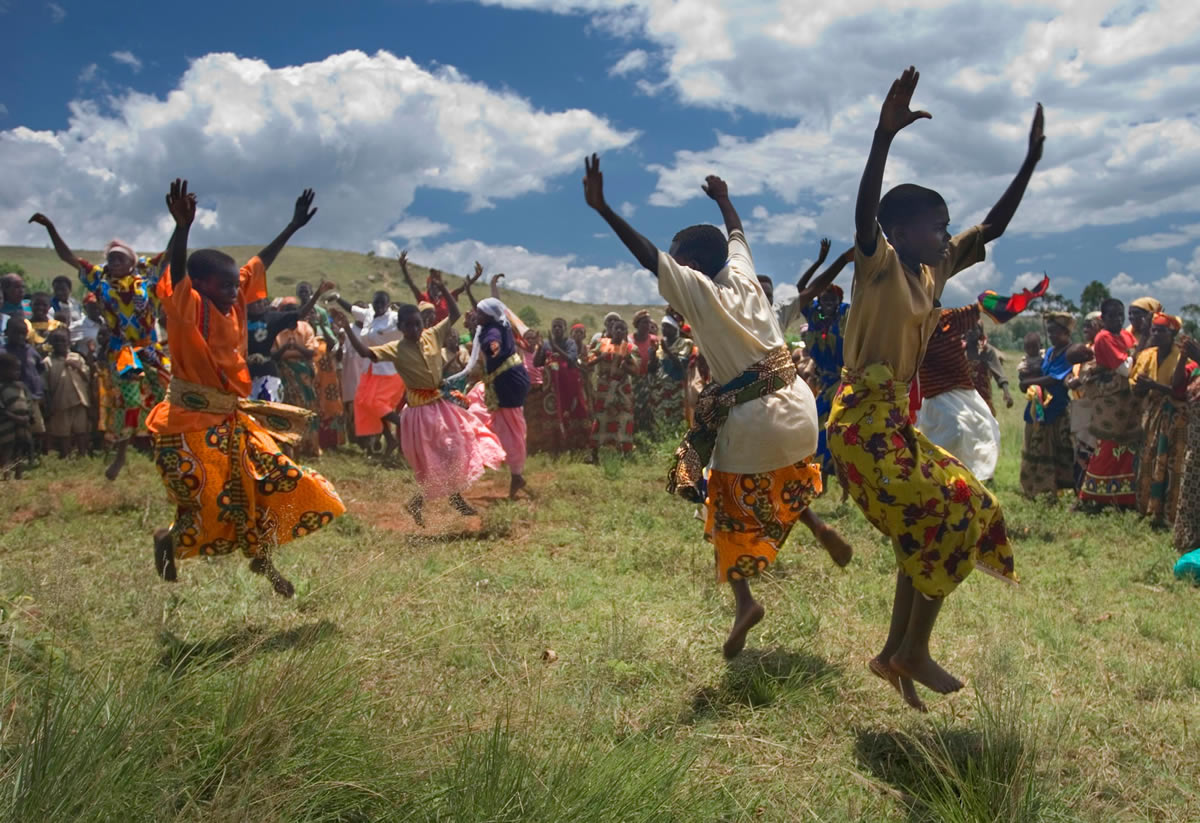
(750, 515)
(235, 490)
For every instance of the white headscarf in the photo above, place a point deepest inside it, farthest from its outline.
(668, 320)
(493, 309)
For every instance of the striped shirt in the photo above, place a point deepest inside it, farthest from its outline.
(945, 365)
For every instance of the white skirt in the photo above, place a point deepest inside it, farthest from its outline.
(959, 422)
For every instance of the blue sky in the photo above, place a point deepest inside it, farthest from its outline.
(457, 129)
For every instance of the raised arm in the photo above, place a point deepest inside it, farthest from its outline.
(496, 278)
(356, 343)
(716, 188)
(322, 288)
(811, 270)
(408, 281)
(64, 252)
(467, 283)
(894, 115)
(998, 218)
(300, 217)
(827, 277)
(182, 207)
(645, 252)
(451, 302)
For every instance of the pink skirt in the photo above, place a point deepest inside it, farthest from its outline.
(447, 447)
(508, 424)
(377, 395)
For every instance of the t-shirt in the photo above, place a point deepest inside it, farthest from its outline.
(207, 347)
(67, 382)
(944, 367)
(421, 363)
(893, 311)
(735, 328)
(261, 331)
(378, 330)
(1112, 350)
(353, 366)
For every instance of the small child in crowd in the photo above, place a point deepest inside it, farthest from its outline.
(68, 396)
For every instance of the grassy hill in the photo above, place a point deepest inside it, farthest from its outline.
(358, 276)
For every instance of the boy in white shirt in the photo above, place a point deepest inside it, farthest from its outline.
(756, 420)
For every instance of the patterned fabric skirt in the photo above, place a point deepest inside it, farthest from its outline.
(669, 400)
(131, 399)
(942, 521)
(541, 419)
(1110, 476)
(332, 426)
(234, 490)
(750, 515)
(378, 394)
(1048, 458)
(613, 409)
(1187, 515)
(644, 420)
(447, 446)
(1160, 464)
(300, 390)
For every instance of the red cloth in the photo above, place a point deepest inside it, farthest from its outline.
(1112, 350)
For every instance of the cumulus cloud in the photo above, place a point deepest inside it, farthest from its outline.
(57, 12)
(633, 61)
(129, 59)
(365, 131)
(627, 209)
(417, 228)
(1177, 236)
(1179, 286)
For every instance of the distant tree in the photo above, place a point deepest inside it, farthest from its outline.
(11, 268)
(1093, 295)
(1190, 314)
(371, 253)
(529, 316)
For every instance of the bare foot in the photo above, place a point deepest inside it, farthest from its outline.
(519, 484)
(263, 565)
(926, 672)
(164, 555)
(114, 468)
(414, 508)
(902, 685)
(839, 550)
(741, 627)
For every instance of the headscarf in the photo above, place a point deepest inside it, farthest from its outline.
(425, 305)
(1061, 318)
(1092, 315)
(1148, 304)
(668, 320)
(489, 309)
(1170, 321)
(612, 315)
(118, 246)
(639, 314)
(579, 327)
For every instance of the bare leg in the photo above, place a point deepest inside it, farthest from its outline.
(881, 665)
(118, 461)
(912, 658)
(517, 484)
(461, 505)
(748, 613)
(262, 565)
(839, 550)
(393, 442)
(164, 554)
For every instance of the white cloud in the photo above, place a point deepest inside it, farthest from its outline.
(57, 12)
(780, 229)
(88, 73)
(417, 228)
(250, 137)
(634, 61)
(1119, 82)
(128, 58)
(1179, 286)
(627, 209)
(1177, 236)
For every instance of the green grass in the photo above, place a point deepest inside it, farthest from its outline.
(358, 277)
(410, 678)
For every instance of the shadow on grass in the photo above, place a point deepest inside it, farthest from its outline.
(900, 761)
(760, 677)
(178, 654)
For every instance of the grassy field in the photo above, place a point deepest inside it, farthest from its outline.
(358, 277)
(559, 661)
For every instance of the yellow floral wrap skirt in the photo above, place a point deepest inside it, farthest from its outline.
(235, 490)
(942, 521)
(750, 515)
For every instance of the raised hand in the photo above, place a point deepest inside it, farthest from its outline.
(403, 258)
(825, 244)
(181, 204)
(302, 213)
(715, 187)
(325, 286)
(41, 220)
(478, 272)
(496, 278)
(896, 113)
(593, 183)
(338, 319)
(1037, 135)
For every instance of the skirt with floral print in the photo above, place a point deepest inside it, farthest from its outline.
(942, 521)
(750, 515)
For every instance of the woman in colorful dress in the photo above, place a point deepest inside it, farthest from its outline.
(1109, 479)
(1187, 515)
(139, 365)
(541, 415)
(646, 344)
(826, 317)
(676, 359)
(331, 431)
(295, 350)
(614, 362)
(1048, 453)
(1158, 379)
(559, 357)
